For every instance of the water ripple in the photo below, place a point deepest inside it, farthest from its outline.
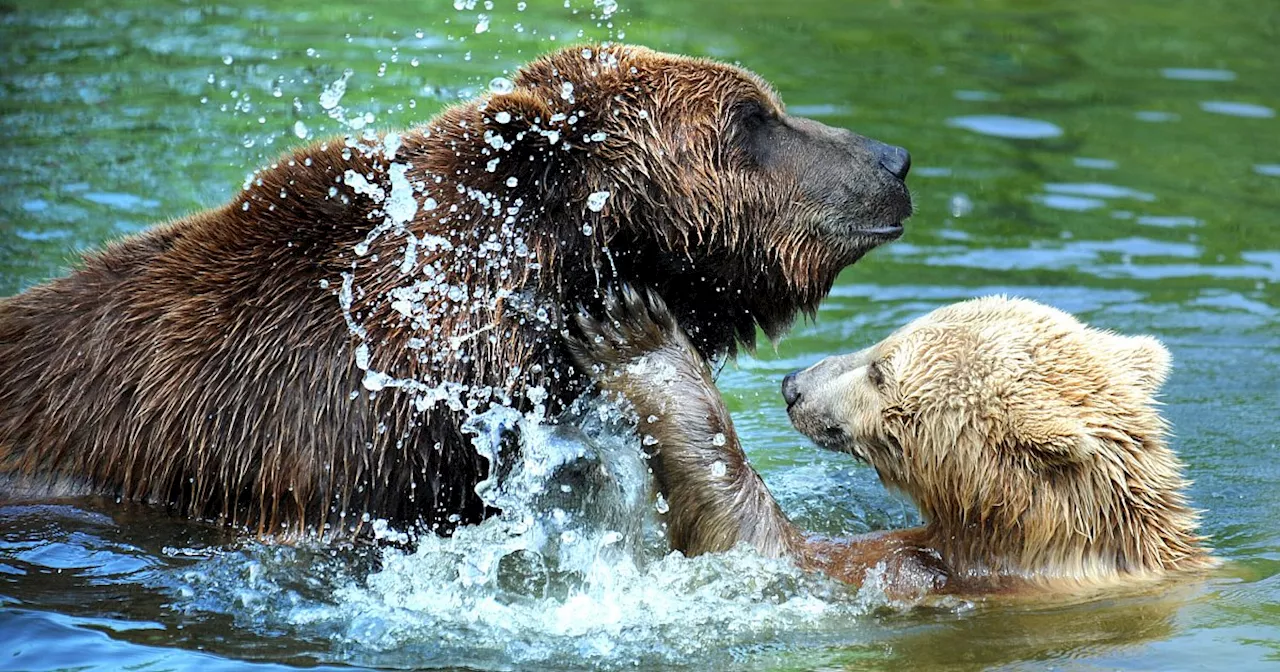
(1001, 126)
(1234, 109)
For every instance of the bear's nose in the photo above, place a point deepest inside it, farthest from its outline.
(895, 160)
(789, 390)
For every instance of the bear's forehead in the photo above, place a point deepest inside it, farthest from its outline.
(993, 336)
(650, 71)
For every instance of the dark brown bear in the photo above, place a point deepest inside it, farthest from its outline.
(307, 354)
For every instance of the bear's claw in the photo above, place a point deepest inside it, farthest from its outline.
(634, 323)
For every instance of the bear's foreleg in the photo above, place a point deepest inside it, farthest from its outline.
(716, 500)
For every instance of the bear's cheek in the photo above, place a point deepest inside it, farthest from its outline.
(863, 408)
(858, 415)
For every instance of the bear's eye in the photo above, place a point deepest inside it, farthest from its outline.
(876, 375)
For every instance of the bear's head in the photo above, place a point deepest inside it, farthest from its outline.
(683, 175)
(1030, 441)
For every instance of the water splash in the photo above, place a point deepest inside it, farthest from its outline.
(574, 568)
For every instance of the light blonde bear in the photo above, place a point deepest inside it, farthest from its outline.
(1030, 442)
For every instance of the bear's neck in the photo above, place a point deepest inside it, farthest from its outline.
(1081, 526)
(717, 305)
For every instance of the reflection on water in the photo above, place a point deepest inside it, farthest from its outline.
(1235, 109)
(1198, 74)
(1117, 160)
(1001, 126)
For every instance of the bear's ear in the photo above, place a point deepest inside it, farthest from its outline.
(519, 110)
(1144, 359)
(1051, 434)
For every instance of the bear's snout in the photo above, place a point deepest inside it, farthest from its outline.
(892, 158)
(790, 391)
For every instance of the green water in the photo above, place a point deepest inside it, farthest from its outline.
(1140, 190)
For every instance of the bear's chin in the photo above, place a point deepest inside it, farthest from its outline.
(836, 441)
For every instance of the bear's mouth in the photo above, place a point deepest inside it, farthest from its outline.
(837, 440)
(888, 226)
(878, 235)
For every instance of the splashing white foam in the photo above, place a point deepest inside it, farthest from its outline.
(574, 572)
(333, 93)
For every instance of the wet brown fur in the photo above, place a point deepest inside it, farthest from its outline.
(638, 353)
(1037, 469)
(207, 364)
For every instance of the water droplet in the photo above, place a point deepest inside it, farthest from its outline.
(661, 505)
(482, 23)
(228, 59)
(511, 181)
(718, 439)
(595, 202)
(300, 129)
(607, 7)
(502, 117)
(501, 85)
(333, 93)
(719, 469)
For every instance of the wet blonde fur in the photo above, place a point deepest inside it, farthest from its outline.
(1032, 444)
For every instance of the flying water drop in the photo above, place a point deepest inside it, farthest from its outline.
(595, 202)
